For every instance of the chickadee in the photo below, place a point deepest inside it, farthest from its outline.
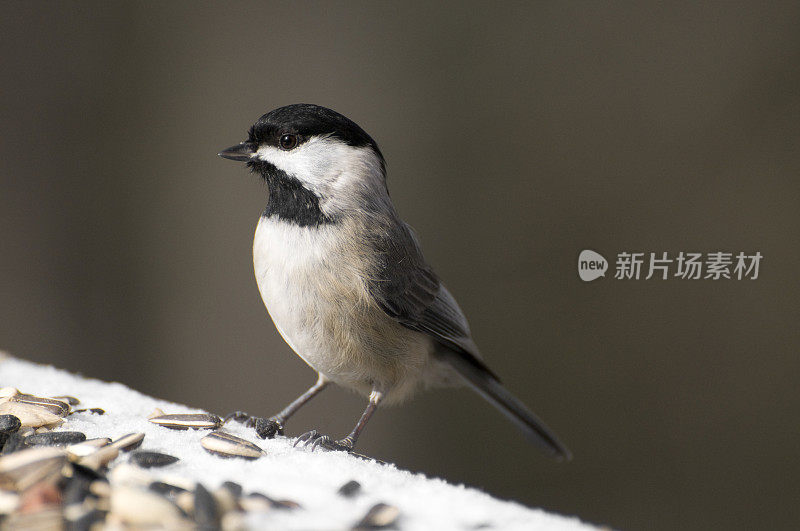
(344, 279)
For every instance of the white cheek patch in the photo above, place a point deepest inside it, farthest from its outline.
(308, 161)
(334, 171)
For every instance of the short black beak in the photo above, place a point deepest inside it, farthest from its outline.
(242, 152)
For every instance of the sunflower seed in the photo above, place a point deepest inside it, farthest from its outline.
(349, 489)
(71, 400)
(87, 447)
(56, 407)
(205, 508)
(227, 445)
(100, 458)
(9, 424)
(196, 421)
(166, 489)
(141, 507)
(379, 516)
(129, 442)
(157, 412)
(30, 416)
(146, 459)
(27, 467)
(55, 438)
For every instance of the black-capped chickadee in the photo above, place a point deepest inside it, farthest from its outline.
(344, 279)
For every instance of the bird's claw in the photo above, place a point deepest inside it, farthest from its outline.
(241, 417)
(265, 428)
(268, 428)
(317, 440)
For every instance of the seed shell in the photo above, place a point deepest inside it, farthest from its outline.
(30, 416)
(100, 458)
(147, 459)
(87, 447)
(379, 516)
(129, 442)
(56, 407)
(227, 445)
(140, 507)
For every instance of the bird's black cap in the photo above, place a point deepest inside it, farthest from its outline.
(305, 120)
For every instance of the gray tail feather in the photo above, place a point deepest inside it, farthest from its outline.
(486, 384)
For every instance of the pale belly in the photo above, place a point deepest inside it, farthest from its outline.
(315, 293)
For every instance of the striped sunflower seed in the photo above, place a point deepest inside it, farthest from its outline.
(184, 421)
(227, 445)
(56, 407)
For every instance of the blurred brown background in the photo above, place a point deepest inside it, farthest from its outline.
(516, 135)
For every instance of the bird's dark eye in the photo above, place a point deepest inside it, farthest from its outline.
(288, 141)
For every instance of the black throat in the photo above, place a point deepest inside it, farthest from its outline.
(289, 200)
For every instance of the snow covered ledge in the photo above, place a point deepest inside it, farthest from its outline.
(312, 479)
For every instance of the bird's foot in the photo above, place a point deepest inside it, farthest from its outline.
(268, 428)
(241, 417)
(317, 440)
(265, 428)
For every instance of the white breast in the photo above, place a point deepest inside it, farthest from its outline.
(312, 282)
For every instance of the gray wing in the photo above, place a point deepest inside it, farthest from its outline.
(408, 290)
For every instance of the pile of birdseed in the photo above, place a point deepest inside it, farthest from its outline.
(102, 456)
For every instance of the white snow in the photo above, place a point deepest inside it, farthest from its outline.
(297, 474)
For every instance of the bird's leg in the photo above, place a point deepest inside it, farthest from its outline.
(268, 428)
(348, 443)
